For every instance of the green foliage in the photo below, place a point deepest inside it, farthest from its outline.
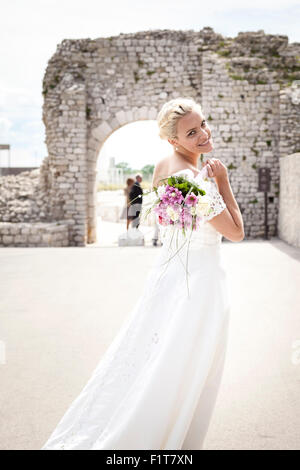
(236, 77)
(147, 171)
(228, 140)
(109, 187)
(268, 143)
(220, 95)
(254, 150)
(125, 167)
(224, 53)
(150, 72)
(87, 112)
(140, 63)
(274, 53)
(184, 186)
(231, 166)
(209, 118)
(254, 201)
(254, 166)
(113, 187)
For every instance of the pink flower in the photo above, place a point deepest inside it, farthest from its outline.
(172, 196)
(191, 200)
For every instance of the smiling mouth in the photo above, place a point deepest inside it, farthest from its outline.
(206, 142)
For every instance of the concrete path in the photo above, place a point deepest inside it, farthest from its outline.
(61, 307)
(108, 232)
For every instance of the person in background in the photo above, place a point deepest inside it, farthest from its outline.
(156, 234)
(136, 197)
(124, 215)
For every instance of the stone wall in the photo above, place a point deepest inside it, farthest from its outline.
(289, 202)
(24, 211)
(15, 170)
(35, 234)
(246, 86)
(25, 197)
(289, 139)
(245, 120)
(64, 115)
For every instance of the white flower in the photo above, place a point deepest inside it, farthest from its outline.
(172, 213)
(193, 210)
(160, 190)
(203, 205)
(186, 174)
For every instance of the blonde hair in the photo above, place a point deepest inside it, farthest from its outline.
(170, 114)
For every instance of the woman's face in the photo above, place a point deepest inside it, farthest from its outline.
(193, 133)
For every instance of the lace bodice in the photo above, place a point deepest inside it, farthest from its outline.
(206, 234)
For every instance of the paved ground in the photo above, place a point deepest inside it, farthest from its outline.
(61, 307)
(109, 232)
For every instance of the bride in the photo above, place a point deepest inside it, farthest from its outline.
(157, 383)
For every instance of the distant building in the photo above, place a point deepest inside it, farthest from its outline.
(111, 174)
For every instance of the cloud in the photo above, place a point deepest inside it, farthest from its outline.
(31, 31)
(5, 126)
(21, 126)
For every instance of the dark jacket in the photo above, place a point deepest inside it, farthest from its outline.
(135, 191)
(136, 201)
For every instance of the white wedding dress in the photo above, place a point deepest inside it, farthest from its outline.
(156, 385)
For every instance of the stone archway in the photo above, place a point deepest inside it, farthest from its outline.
(97, 139)
(93, 87)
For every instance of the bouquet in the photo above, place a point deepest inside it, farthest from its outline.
(181, 204)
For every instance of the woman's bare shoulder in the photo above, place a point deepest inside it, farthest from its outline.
(167, 166)
(163, 162)
(161, 169)
(170, 165)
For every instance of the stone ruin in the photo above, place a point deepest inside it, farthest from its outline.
(248, 87)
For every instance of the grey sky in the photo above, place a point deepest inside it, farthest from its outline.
(30, 31)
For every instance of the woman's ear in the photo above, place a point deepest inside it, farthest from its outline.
(172, 142)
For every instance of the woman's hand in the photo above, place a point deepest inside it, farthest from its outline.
(215, 168)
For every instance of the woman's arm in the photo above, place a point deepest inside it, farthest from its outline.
(229, 222)
(225, 190)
